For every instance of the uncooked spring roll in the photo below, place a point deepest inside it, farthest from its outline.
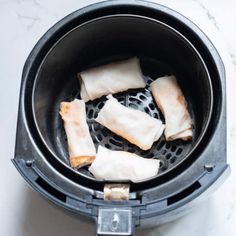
(136, 126)
(121, 165)
(173, 105)
(111, 78)
(80, 144)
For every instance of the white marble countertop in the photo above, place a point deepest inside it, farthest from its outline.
(22, 211)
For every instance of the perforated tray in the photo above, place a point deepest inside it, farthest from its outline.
(169, 153)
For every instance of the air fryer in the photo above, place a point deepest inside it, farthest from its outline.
(166, 43)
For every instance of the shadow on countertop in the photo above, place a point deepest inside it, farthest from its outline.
(43, 218)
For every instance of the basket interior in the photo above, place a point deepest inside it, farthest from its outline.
(161, 50)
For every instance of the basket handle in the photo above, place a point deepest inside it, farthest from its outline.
(115, 221)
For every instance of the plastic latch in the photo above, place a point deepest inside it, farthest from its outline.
(117, 192)
(114, 221)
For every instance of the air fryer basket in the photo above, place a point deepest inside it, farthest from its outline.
(166, 43)
(162, 51)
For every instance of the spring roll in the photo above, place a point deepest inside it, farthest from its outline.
(80, 144)
(111, 78)
(135, 126)
(171, 101)
(121, 165)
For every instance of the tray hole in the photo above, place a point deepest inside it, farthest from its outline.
(100, 105)
(90, 128)
(146, 110)
(135, 100)
(173, 159)
(142, 97)
(114, 142)
(150, 155)
(168, 156)
(90, 114)
(96, 102)
(107, 145)
(99, 137)
(161, 163)
(155, 115)
(162, 143)
(167, 145)
(179, 151)
(152, 107)
(118, 138)
(134, 106)
(96, 128)
(164, 152)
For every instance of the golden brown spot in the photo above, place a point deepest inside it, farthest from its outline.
(181, 100)
(79, 161)
(64, 108)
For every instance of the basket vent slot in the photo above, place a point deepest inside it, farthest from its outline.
(50, 190)
(181, 195)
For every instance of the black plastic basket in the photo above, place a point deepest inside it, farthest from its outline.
(166, 43)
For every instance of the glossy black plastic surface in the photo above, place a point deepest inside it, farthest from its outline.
(162, 51)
